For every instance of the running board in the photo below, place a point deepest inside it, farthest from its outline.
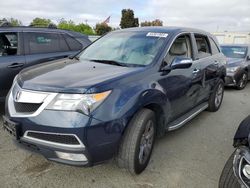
(187, 117)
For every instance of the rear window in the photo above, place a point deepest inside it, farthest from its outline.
(45, 43)
(202, 46)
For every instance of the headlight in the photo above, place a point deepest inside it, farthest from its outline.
(232, 69)
(84, 103)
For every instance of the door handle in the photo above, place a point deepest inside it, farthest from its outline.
(195, 71)
(15, 65)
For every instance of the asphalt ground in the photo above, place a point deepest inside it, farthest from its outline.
(192, 156)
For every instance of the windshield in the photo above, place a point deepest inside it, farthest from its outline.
(234, 51)
(125, 48)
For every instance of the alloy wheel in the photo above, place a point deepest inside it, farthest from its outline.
(146, 142)
(219, 95)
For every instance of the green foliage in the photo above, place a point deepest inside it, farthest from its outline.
(70, 25)
(102, 28)
(128, 19)
(41, 22)
(155, 22)
(12, 21)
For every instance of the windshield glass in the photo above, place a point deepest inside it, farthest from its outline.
(125, 48)
(234, 51)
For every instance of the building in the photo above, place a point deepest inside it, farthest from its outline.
(233, 37)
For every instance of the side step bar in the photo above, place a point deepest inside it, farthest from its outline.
(187, 117)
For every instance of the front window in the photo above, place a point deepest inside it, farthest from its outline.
(234, 51)
(125, 48)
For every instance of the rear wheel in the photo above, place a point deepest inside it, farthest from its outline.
(227, 178)
(243, 81)
(216, 97)
(137, 144)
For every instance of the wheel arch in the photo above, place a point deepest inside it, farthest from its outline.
(241, 136)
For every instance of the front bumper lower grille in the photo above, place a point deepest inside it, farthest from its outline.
(26, 107)
(56, 138)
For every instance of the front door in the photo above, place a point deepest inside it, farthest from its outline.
(182, 86)
(11, 60)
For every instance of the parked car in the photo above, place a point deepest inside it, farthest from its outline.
(21, 47)
(238, 65)
(117, 96)
(236, 172)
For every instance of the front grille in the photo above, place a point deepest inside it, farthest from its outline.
(58, 138)
(26, 107)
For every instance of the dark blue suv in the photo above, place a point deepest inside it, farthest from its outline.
(21, 47)
(115, 97)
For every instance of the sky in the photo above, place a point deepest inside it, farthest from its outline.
(210, 15)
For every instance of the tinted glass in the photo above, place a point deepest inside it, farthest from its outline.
(234, 51)
(43, 42)
(214, 47)
(128, 48)
(8, 44)
(73, 44)
(62, 44)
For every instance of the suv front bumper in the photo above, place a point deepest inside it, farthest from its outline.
(51, 147)
(100, 140)
(240, 164)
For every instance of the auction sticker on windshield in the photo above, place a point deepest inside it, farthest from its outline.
(153, 34)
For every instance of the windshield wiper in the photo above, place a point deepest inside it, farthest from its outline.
(74, 57)
(111, 62)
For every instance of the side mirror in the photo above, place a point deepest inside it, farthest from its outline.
(181, 63)
(248, 58)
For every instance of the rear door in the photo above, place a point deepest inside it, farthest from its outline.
(209, 61)
(12, 59)
(42, 47)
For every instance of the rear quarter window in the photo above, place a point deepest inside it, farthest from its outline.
(74, 45)
(215, 49)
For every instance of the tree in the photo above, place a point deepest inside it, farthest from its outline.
(128, 19)
(102, 28)
(41, 22)
(12, 21)
(155, 22)
(70, 25)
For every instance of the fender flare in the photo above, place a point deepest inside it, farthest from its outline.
(241, 136)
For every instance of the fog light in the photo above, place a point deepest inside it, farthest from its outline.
(71, 156)
(246, 171)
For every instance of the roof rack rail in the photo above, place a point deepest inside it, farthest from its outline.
(51, 26)
(5, 24)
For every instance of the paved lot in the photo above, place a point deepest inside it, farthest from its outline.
(192, 156)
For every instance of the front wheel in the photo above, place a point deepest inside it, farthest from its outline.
(216, 97)
(227, 178)
(243, 81)
(137, 143)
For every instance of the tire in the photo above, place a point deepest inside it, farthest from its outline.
(227, 178)
(216, 97)
(243, 81)
(132, 154)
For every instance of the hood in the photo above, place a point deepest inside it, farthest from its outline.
(70, 76)
(235, 62)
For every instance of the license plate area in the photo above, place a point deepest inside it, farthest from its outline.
(10, 126)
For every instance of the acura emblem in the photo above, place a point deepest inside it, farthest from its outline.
(18, 95)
